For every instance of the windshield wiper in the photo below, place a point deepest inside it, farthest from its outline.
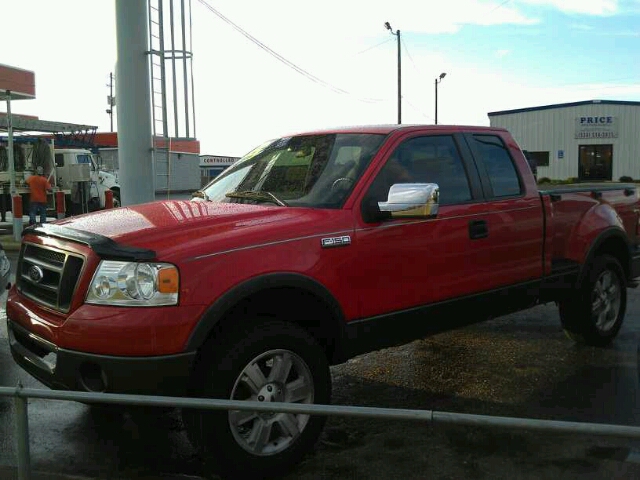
(260, 195)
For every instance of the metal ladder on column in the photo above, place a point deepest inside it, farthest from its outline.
(161, 140)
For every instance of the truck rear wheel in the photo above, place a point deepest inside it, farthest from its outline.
(266, 361)
(594, 314)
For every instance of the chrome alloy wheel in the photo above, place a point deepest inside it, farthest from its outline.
(605, 300)
(273, 376)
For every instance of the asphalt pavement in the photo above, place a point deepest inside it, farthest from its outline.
(520, 365)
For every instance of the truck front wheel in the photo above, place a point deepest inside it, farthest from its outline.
(594, 314)
(266, 361)
(116, 198)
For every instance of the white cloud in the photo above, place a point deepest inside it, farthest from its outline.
(261, 97)
(581, 26)
(502, 53)
(466, 106)
(621, 33)
(71, 74)
(587, 7)
(244, 96)
(338, 20)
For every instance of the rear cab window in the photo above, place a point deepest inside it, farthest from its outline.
(496, 165)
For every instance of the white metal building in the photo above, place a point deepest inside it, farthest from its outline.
(213, 165)
(590, 140)
(184, 170)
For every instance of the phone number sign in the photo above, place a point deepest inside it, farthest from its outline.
(603, 126)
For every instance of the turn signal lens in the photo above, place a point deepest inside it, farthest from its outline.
(168, 280)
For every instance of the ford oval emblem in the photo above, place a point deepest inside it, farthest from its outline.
(35, 273)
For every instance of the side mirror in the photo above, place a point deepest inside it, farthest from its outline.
(417, 200)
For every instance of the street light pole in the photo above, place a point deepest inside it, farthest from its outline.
(111, 102)
(397, 34)
(438, 80)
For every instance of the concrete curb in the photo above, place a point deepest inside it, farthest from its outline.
(9, 244)
(11, 473)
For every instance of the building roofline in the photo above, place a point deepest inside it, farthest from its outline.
(565, 105)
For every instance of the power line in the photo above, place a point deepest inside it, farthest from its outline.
(272, 52)
(406, 49)
(500, 6)
(417, 109)
(282, 59)
(375, 46)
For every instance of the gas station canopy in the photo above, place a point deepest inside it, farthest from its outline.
(26, 124)
(20, 84)
(16, 83)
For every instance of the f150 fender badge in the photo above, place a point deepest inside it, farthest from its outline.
(336, 241)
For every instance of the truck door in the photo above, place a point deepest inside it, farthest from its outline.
(510, 250)
(404, 263)
(62, 171)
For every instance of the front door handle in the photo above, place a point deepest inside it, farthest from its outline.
(478, 229)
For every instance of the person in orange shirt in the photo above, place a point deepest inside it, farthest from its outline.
(38, 186)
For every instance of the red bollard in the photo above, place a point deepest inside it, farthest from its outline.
(17, 207)
(108, 199)
(16, 211)
(60, 205)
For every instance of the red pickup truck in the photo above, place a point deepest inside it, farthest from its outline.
(312, 249)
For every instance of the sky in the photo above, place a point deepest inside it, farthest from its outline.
(496, 54)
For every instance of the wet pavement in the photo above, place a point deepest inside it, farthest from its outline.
(520, 365)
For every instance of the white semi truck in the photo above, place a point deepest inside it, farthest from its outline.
(97, 180)
(74, 171)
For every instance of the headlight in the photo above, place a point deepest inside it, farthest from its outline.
(134, 284)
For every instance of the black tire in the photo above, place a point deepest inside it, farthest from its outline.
(217, 374)
(594, 314)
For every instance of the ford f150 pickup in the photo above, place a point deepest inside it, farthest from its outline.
(311, 249)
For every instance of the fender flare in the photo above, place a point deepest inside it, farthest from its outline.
(609, 233)
(218, 309)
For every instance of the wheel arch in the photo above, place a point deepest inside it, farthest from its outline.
(613, 241)
(278, 295)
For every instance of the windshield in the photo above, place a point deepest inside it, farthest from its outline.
(307, 171)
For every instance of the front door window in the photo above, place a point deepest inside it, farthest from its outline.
(596, 162)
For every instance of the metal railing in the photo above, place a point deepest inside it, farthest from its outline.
(21, 395)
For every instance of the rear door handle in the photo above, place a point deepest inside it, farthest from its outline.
(478, 229)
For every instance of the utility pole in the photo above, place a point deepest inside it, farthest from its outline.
(133, 88)
(397, 34)
(438, 80)
(110, 100)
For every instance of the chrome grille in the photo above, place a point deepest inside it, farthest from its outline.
(48, 276)
(53, 257)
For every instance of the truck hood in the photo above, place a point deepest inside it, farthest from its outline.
(172, 226)
(108, 179)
